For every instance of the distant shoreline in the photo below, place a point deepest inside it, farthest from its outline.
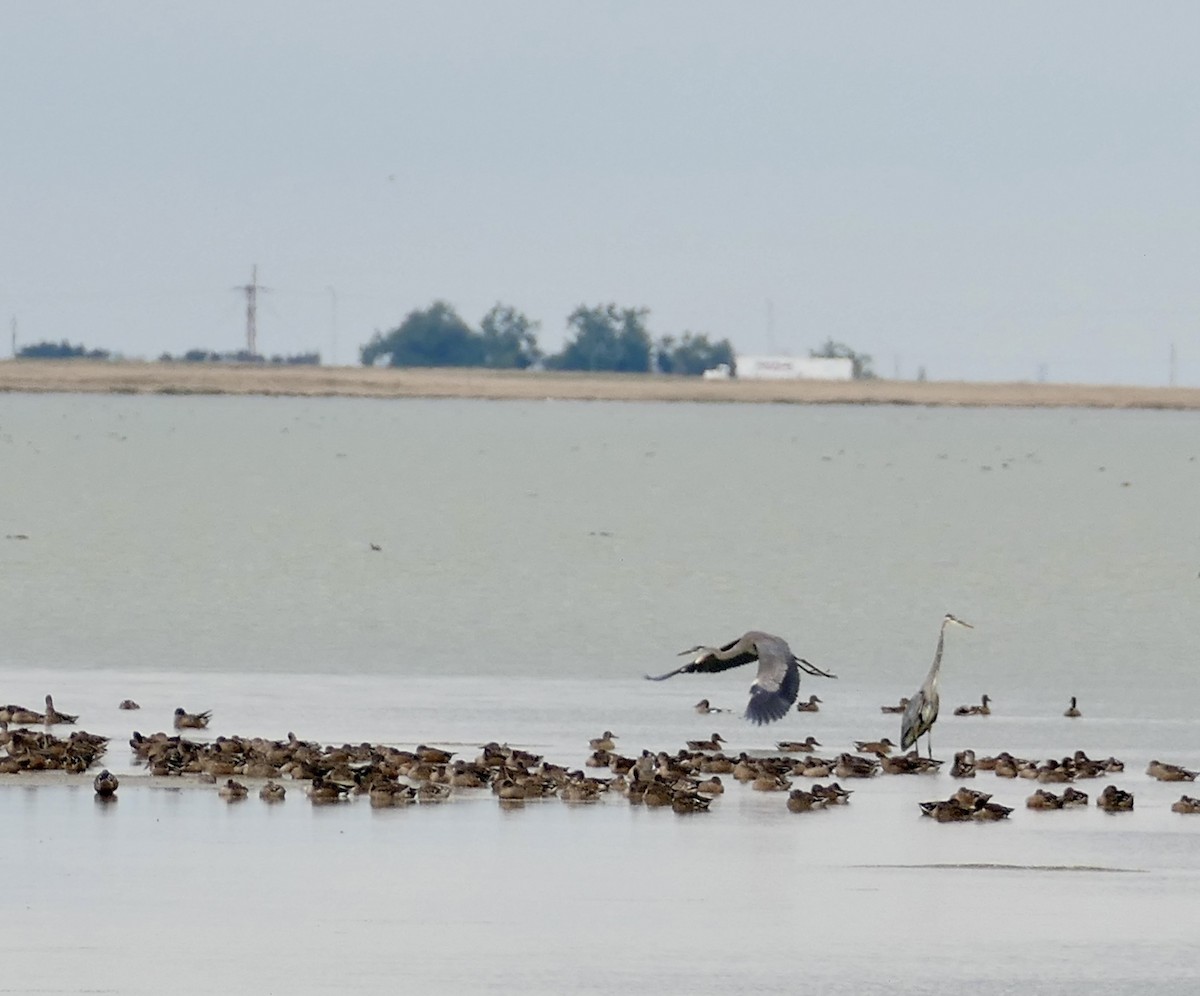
(105, 377)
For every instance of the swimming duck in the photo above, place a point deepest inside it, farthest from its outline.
(272, 792)
(690, 802)
(711, 786)
(713, 743)
(191, 720)
(1186, 804)
(850, 766)
(832, 794)
(106, 784)
(322, 791)
(991, 811)
(435, 755)
(658, 793)
(1114, 800)
(703, 708)
(1043, 799)
(804, 746)
(908, 764)
(945, 811)
(432, 792)
(897, 708)
(817, 767)
(799, 801)
(812, 705)
(1072, 711)
(1050, 771)
(606, 741)
(128, 704)
(877, 747)
(970, 799)
(231, 791)
(21, 715)
(770, 782)
(1169, 772)
(964, 764)
(1073, 797)
(983, 709)
(56, 718)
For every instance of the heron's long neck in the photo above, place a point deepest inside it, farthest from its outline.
(937, 654)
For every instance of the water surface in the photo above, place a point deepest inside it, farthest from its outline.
(535, 560)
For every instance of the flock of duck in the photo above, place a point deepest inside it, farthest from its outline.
(687, 781)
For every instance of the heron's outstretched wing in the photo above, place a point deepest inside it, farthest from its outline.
(734, 654)
(711, 659)
(777, 683)
(670, 674)
(774, 691)
(809, 668)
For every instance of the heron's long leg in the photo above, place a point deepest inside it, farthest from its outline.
(929, 741)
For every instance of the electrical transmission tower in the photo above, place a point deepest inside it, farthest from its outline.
(251, 291)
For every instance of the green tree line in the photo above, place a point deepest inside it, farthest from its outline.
(600, 338)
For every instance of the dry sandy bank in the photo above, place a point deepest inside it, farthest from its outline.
(89, 376)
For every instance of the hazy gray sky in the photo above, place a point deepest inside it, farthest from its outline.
(974, 188)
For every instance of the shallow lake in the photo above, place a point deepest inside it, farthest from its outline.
(534, 561)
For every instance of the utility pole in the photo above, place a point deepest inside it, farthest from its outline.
(333, 326)
(251, 291)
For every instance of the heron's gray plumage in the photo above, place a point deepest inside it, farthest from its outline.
(922, 710)
(777, 682)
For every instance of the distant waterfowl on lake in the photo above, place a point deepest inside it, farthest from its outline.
(606, 741)
(106, 784)
(1072, 710)
(1186, 804)
(983, 709)
(191, 720)
(908, 764)
(1043, 799)
(1114, 800)
(20, 715)
(713, 743)
(1169, 772)
(55, 718)
(812, 705)
(272, 792)
(876, 747)
(231, 791)
(966, 805)
(964, 764)
(704, 708)
(128, 704)
(777, 682)
(800, 801)
(804, 746)
(922, 710)
(897, 708)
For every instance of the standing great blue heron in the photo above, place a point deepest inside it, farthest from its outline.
(775, 686)
(922, 709)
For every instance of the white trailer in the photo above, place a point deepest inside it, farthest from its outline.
(794, 368)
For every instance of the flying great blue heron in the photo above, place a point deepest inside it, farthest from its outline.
(775, 686)
(922, 709)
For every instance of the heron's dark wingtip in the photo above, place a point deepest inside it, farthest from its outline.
(766, 707)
